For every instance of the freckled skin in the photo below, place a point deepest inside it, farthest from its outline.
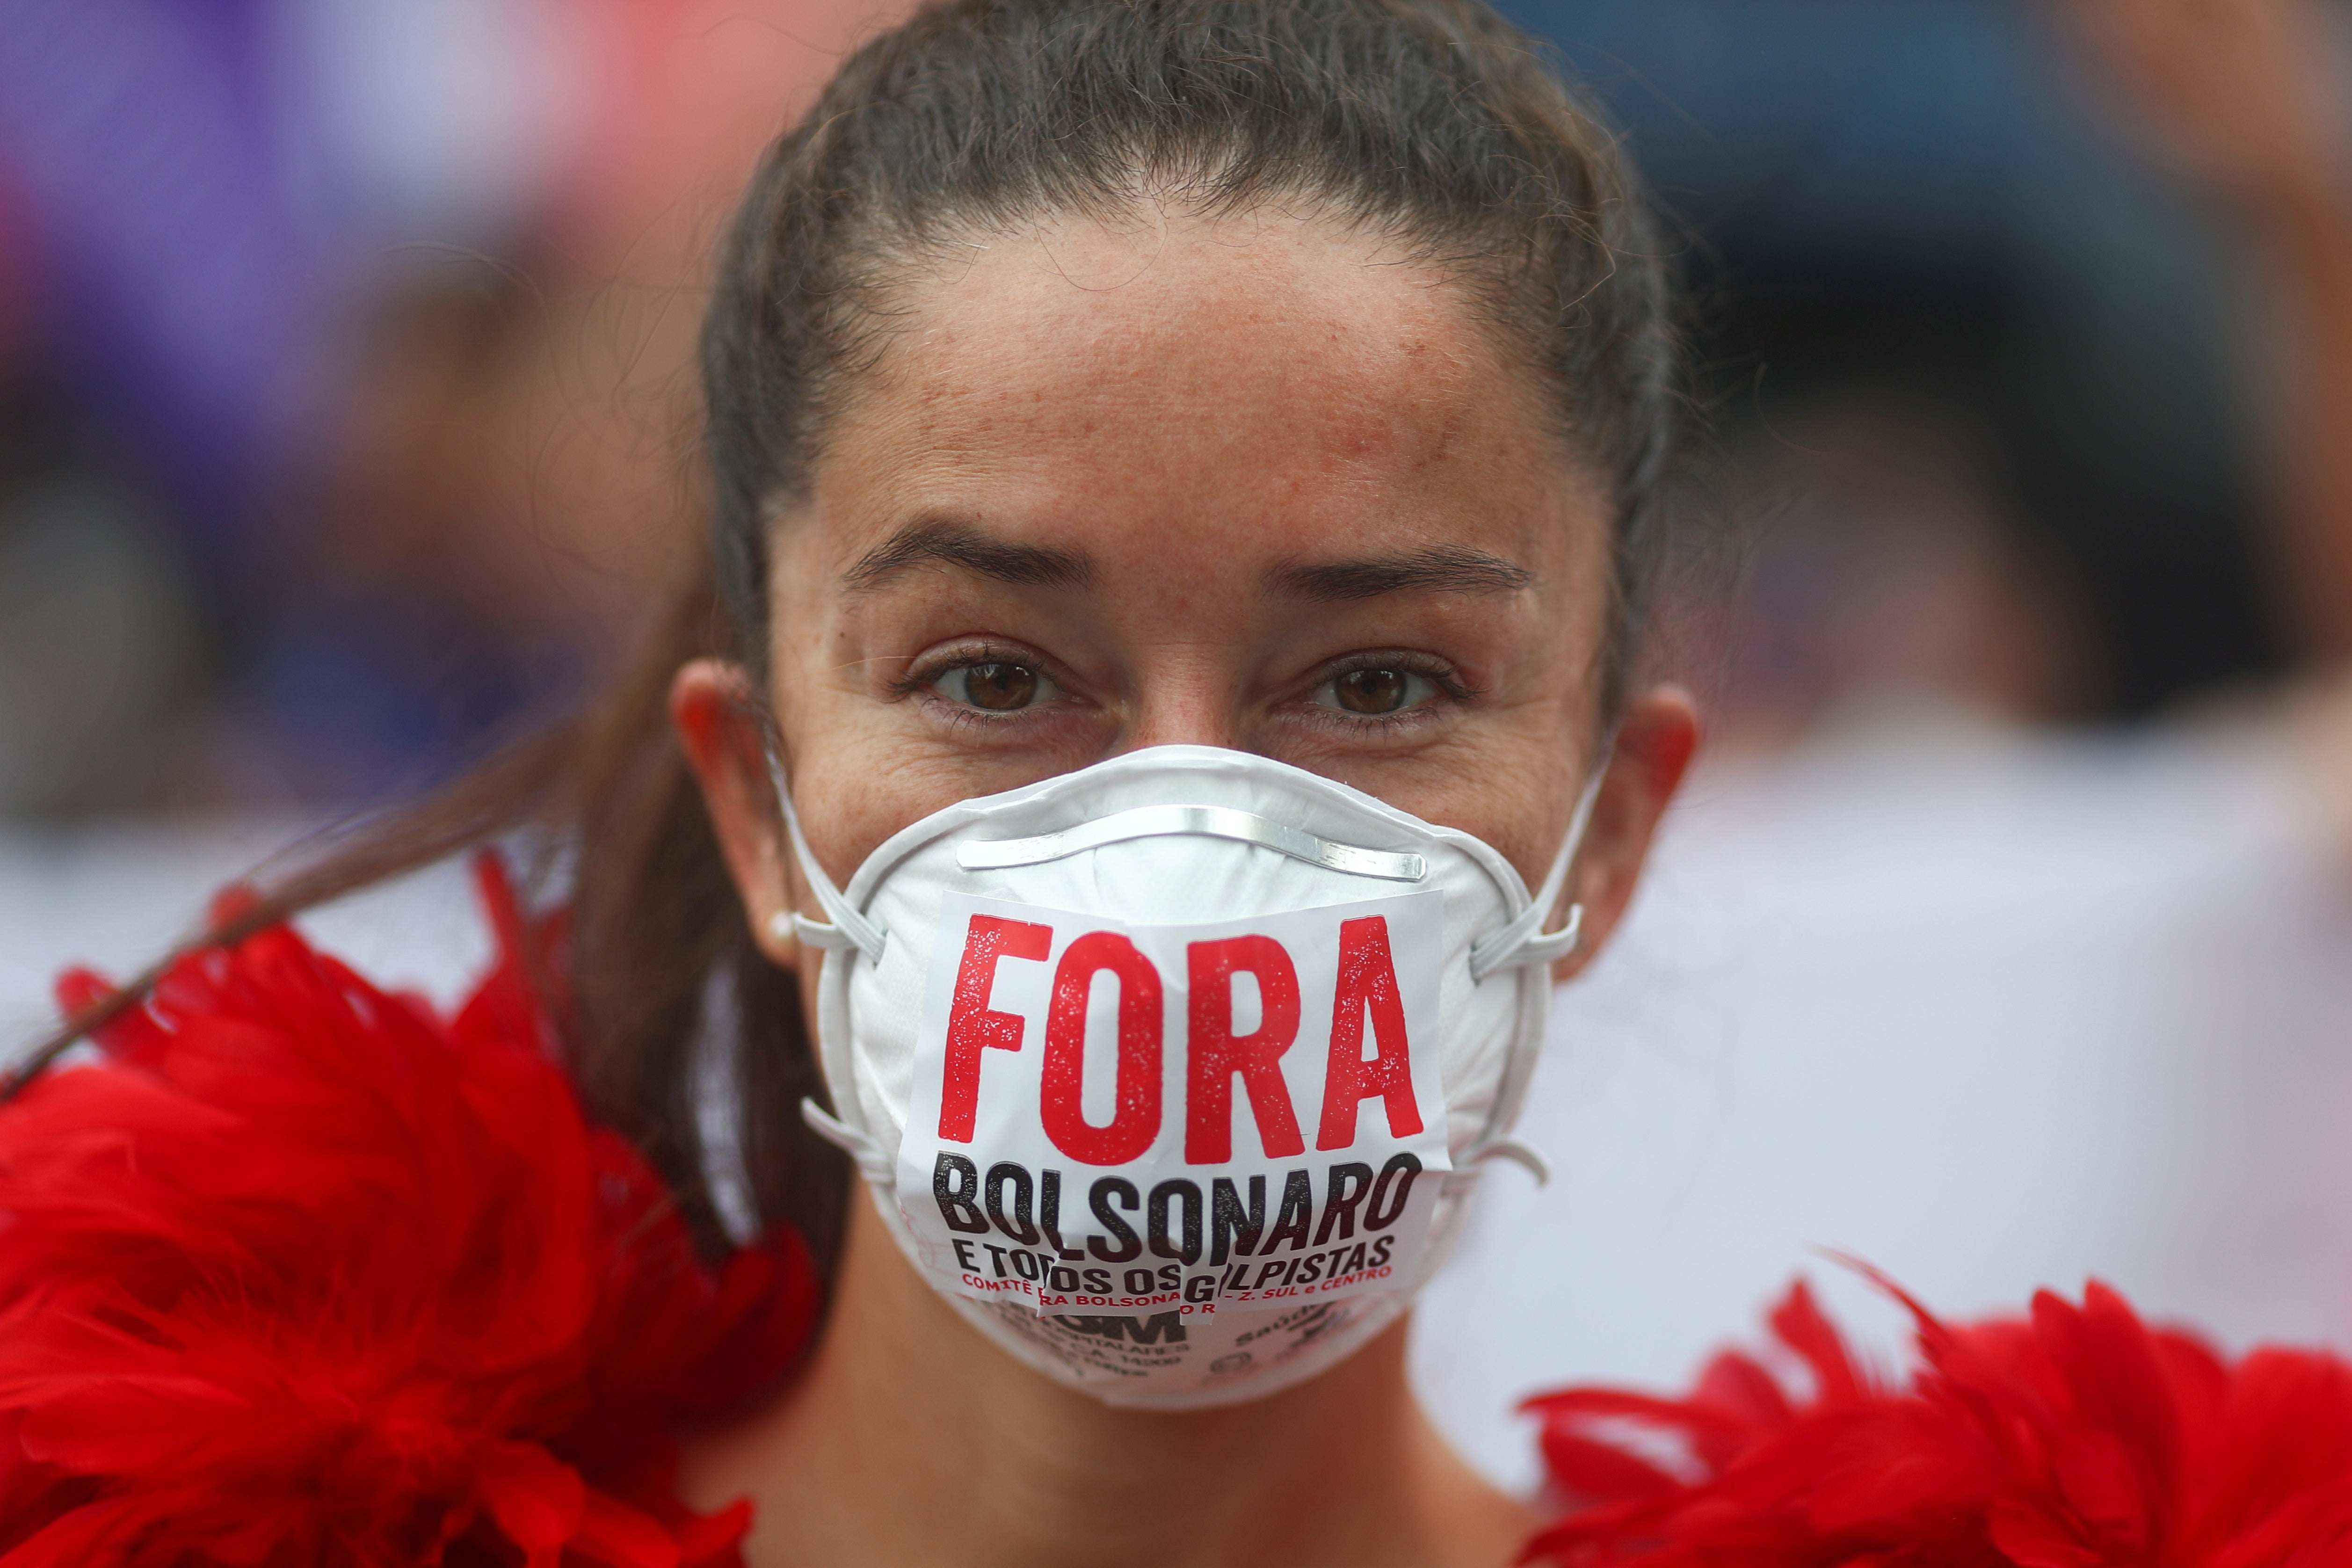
(1224, 408)
(1193, 406)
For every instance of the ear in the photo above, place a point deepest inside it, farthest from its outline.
(725, 738)
(1656, 739)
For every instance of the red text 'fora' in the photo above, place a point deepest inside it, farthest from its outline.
(1216, 1058)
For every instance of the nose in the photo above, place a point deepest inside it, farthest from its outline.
(1186, 696)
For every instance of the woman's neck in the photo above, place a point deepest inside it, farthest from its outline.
(910, 1439)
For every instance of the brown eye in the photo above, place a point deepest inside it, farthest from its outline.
(995, 686)
(1371, 690)
(1375, 692)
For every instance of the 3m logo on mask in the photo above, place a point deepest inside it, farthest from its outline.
(1146, 1119)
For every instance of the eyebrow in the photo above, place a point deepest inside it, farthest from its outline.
(1441, 569)
(940, 542)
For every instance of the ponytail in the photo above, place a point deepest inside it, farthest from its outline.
(657, 981)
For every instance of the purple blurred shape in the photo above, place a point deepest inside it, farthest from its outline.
(182, 245)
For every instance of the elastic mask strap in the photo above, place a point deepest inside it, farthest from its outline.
(849, 929)
(1523, 941)
(1464, 1176)
(872, 1163)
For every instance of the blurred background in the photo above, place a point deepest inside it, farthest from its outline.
(2005, 934)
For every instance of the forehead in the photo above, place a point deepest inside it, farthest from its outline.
(1273, 372)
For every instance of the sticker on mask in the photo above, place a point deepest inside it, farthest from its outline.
(1123, 1355)
(1140, 1121)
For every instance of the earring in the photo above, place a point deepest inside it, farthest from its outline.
(780, 930)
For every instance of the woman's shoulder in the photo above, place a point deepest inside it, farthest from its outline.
(300, 1262)
(2075, 1434)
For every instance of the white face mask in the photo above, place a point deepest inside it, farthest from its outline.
(1173, 1074)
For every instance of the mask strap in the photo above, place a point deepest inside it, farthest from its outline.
(1462, 1180)
(1523, 941)
(848, 928)
(861, 1148)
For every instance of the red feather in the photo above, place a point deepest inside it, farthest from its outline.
(303, 1272)
(2076, 1438)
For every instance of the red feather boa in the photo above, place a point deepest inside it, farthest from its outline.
(302, 1272)
(2076, 1438)
(305, 1273)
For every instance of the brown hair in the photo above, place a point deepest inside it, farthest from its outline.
(1431, 122)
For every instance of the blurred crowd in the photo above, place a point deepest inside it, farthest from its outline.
(344, 402)
(346, 413)
(345, 405)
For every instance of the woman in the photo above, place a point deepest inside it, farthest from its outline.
(1150, 385)
(1165, 711)
(1283, 378)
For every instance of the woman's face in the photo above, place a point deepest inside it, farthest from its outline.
(1255, 482)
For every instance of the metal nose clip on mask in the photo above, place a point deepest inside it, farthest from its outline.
(1174, 1074)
